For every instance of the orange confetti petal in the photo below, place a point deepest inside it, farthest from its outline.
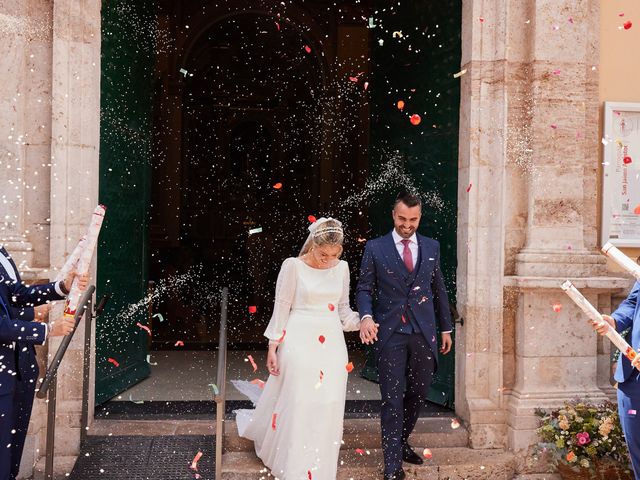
(281, 339)
(253, 363)
(332, 307)
(400, 104)
(194, 463)
(637, 210)
(144, 327)
(415, 119)
(426, 453)
(114, 361)
(557, 307)
(257, 381)
(349, 367)
(311, 218)
(455, 423)
(359, 451)
(277, 186)
(321, 339)
(273, 421)
(179, 343)
(253, 309)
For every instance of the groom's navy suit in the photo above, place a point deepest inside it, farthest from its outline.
(410, 308)
(18, 363)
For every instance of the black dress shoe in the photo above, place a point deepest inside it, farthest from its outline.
(397, 475)
(409, 456)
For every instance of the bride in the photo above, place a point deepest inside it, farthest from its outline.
(297, 424)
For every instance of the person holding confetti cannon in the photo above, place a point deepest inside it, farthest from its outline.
(297, 424)
(401, 289)
(22, 312)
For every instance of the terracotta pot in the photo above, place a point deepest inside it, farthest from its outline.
(602, 471)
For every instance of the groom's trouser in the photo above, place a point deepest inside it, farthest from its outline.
(405, 367)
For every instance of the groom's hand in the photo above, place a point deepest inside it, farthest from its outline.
(445, 347)
(368, 331)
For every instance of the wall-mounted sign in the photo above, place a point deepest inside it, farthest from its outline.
(621, 175)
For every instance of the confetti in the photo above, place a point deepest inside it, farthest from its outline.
(149, 360)
(144, 327)
(253, 363)
(557, 307)
(637, 210)
(627, 25)
(214, 387)
(469, 187)
(554, 126)
(179, 343)
(194, 463)
(570, 20)
(455, 423)
(277, 26)
(137, 402)
(460, 73)
(556, 72)
(309, 475)
(366, 85)
(359, 451)
(183, 72)
(273, 421)
(415, 119)
(253, 309)
(257, 381)
(631, 412)
(277, 186)
(397, 34)
(321, 339)
(353, 79)
(426, 453)
(281, 339)
(621, 14)
(481, 19)
(331, 307)
(403, 319)
(114, 361)
(307, 48)
(159, 316)
(311, 218)
(255, 230)
(349, 367)
(371, 24)
(627, 160)
(400, 104)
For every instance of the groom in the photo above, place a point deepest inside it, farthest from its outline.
(403, 302)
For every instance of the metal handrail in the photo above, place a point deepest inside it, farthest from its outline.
(50, 381)
(221, 382)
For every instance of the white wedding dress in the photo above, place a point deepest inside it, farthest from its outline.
(297, 423)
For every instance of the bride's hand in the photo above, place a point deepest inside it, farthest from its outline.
(272, 363)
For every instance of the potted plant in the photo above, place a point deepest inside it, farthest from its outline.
(585, 441)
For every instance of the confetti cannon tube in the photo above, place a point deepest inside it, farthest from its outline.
(593, 314)
(84, 261)
(72, 260)
(621, 259)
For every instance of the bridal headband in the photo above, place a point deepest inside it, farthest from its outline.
(315, 229)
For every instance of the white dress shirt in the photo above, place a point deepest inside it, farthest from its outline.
(413, 246)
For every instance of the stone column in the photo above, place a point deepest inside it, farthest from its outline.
(529, 152)
(75, 174)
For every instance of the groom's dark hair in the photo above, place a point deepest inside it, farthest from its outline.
(409, 199)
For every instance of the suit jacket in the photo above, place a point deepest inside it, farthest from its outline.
(387, 290)
(18, 333)
(626, 316)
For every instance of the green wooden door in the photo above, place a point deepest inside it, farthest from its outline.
(418, 69)
(125, 154)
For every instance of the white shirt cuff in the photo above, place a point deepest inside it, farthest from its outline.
(366, 316)
(46, 332)
(448, 331)
(59, 290)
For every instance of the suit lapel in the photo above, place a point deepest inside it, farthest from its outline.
(393, 257)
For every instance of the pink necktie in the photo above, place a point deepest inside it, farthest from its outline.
(406, 255)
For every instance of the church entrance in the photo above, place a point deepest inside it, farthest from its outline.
(227, 128)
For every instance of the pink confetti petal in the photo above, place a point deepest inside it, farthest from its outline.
(307, 48)
(194, 463)
(253, 363)
(179, 343)
(144, 327)
(114, 361)
(469, 187)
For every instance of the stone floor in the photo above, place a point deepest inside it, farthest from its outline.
(186, 375)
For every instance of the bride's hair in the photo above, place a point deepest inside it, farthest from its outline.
(328, 233)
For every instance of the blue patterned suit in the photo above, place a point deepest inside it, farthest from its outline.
(410, 308)
(18, 364)
(628, 378)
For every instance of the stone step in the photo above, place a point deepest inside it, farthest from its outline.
(365, 433)
(447, 464)
(62, 466)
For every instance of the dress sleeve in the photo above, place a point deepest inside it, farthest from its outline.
(285, 293)
(350, 319)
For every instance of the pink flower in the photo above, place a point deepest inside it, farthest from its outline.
(583, 438)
